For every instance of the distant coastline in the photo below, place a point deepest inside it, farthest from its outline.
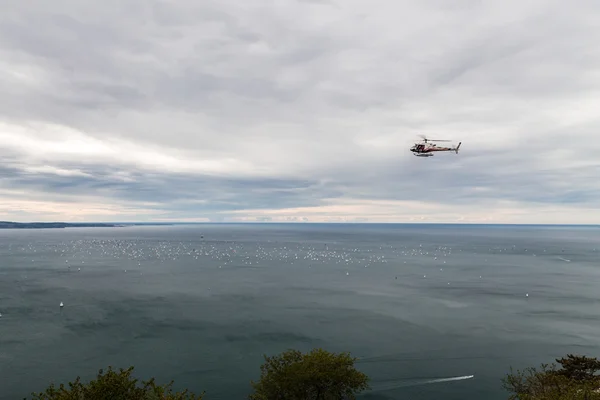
(55, 225)
(59, 225)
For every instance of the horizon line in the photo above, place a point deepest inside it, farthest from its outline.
(297, 223)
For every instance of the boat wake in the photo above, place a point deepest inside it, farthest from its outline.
(457, 378)
(418, 382)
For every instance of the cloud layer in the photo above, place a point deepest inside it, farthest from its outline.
(299, 110)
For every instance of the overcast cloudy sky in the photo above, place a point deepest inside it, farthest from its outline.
(228, 110)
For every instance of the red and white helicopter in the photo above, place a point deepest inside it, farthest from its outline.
(424, 149)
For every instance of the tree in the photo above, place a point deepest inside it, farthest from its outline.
(576, 380)
(114, 385)
(579, 368)
(317, 375)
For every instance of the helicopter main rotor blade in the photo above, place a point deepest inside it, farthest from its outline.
(432, 140)
(435, 140)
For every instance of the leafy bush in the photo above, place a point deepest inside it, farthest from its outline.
(114, 385)
(577, 379)
(318, 375)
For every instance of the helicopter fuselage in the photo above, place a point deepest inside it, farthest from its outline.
(426, 150)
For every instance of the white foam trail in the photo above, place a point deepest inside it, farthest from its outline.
(392, 386)
(457, 378)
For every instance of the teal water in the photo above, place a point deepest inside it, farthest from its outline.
(201, 304)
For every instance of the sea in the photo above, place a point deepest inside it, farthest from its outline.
(429, 311)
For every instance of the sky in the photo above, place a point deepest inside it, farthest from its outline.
(299, 110)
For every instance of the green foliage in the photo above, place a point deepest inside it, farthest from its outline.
(114, 385)
(579, 368)
(318, 375)
(575, 380)
(321, 375)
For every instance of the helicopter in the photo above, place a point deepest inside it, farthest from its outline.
(425, 149)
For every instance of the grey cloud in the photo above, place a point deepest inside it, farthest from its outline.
(293, 88)
(177, 192)
(98, 68)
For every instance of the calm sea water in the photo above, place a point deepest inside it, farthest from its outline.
(202, 304)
